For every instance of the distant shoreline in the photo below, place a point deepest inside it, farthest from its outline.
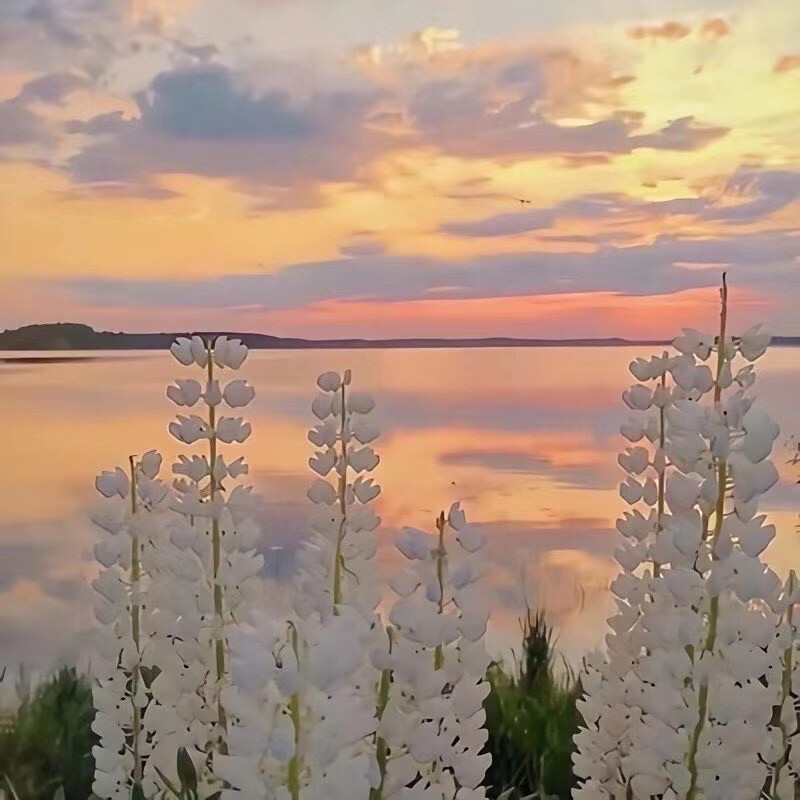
(66, 337)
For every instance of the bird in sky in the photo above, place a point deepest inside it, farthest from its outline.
(521, 200)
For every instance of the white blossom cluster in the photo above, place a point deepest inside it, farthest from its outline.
(329, 704)
(433, 721)
(311, 676)
(700, 648)
(131, 517)
(214, 574)
(336, 568)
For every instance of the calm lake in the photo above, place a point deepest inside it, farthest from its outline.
(526, 438)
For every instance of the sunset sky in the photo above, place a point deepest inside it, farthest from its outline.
(349, 167)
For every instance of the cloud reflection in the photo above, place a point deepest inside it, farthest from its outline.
(525, 437)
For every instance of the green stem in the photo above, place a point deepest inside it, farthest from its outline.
(338, 561)
(296, 762)
(438, 654)
(216, 548)
(719, 513)
(786, 691)
(381, 747)
(662, 476)
(135, 628)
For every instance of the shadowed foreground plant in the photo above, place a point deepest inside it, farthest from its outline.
(531, 718)
(49, 744)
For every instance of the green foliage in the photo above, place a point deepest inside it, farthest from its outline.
(531, 718)
(45, 754)
(46, 751)
(187, 777)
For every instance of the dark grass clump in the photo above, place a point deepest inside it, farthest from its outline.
(48, 746)
(531, 718)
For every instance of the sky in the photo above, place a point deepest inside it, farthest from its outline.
(355, 168)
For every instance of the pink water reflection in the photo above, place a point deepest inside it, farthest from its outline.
(526, 438)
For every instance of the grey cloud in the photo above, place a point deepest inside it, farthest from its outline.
(363, 247)
(19, 125)
(199, 120)
(583, 476)
(459, 116)
(588, 207)
(502, 224)
(51, 88)
(769, 190)
(763, 258)
(205, 103)
(41, 34)
(609, 206)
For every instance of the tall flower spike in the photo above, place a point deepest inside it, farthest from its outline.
(217, 536)
(330, 699)
(336, 567)
(433, 720)
(681, 707)
(132, 517)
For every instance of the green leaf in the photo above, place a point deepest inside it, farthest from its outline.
(137, 793)
(59, 794)
(11, 788)
(187, 774)
(167, 782)
(215, 796)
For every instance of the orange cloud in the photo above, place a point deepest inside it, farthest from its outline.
(667, 30)
(715, 28)
(580, 314)
(786, 64)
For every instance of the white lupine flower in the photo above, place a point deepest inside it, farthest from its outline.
(681, 706)
(329, 381)
(364, 460)
(199, 351)
(638, 397)
(229, 353)
(185, 392)
(754, 343)
(113, 483)
(323, 405)
(433, 720)
(182, 350)
(207, 575)
(322, 701)
(212, 394)
(232, 429)
(189, 429)
(238, 394)
(121, 694)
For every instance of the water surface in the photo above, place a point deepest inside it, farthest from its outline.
(526, 438)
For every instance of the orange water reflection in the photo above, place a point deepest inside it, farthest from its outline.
(527, 438)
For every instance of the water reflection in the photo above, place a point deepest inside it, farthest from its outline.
(526, 438)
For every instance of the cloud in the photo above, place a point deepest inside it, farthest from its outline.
(765, 259)
(787, 63)
(715, 28)
(759, 192)
(19, 125)
(46, 34)
(502, 224)
(765, 192)
(578, 475)
(665, 30)
(364, 245)
(594, 206)
(460, 117)
(200, 120)
(51, 88)
(205, 103)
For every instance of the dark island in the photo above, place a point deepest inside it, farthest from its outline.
(74, 336)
